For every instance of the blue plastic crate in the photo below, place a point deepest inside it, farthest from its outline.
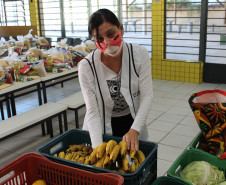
(145, 174)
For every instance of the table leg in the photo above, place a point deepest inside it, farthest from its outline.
(44, 92)
(60, 123)
(2, 110)
(39, 94)
(8, 105)
(13, 105)
(65, 120)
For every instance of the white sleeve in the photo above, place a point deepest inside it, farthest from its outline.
(146, 91)
(92, 118)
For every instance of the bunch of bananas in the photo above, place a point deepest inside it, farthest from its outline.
(115, 156)
(110, 155)
(78, 153)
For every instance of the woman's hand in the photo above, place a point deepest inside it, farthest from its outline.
(131, 138)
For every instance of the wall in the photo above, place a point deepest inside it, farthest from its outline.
(169, 69)
(34, 14)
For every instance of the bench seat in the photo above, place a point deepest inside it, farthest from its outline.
(33, 117)
(74, 102)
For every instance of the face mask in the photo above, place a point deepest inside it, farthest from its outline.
(112, 48)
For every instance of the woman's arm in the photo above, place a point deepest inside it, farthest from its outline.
(93, 120)
(146, 95)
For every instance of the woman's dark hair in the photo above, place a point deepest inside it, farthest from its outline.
(99, 17)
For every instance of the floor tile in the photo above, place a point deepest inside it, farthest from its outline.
(170, 117)
(189, 121)
(168, 153)
(173, 95)
(185, 130)
(155, 135)
(179, 110)
(167, 101)
(161, 126)
(163, 166)
(159, 106)
(176, 140)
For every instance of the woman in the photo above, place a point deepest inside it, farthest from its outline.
(116, 83)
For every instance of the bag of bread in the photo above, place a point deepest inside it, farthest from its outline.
(90, 45)
(35, 52)
(3, 63)
(57, 54)
(11, 42)
(20, 41)
(29, 36)
(62, 44)
(40, 68)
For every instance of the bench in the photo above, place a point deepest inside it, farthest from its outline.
(39, 115)
(74, 102)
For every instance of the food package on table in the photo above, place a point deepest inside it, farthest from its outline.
(40, 68)
(3, 43)
(2, 72)
(25, 69)
(62, 43)
(3, 63)
(29, 36)
(27, 44)
(20, 41)
(79, 48)
(57, 54)
(35, 52)
(11, 42)
(90, 45)
(43, 40)
(11, 60)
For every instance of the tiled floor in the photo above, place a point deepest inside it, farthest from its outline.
(171, 123)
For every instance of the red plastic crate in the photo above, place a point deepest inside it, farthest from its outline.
(32, 166)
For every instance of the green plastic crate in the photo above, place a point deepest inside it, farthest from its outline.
(196, 141)
(191, 155)
(164, 180)
(145, 174)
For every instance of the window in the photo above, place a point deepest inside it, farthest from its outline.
(14, 13)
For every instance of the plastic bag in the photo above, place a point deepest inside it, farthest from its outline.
(209, 108)
(40, 68)
(29, 36)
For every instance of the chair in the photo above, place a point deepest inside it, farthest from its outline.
(49, 41)
(77, 41)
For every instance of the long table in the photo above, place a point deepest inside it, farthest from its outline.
(8, 94)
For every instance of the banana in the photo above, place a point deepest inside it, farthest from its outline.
(101, 150)
(68, 156)
(86, 160)
(107, 162)
(140, 156)
(125, 164)
(93, 156)
(136, 162)
(55, 155)
(80, 147)
(110, 146)
(81, 159)
(73, 148)
(132, 153)
(133, 168)
(123, 150)
(115, 152)
(121, 170)
(61, 155)
(100, 163)
(76, 158)
(87, 149)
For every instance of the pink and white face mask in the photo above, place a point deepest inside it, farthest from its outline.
(113, 47)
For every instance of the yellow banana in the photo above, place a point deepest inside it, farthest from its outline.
(107, 162)
(140, 156)
(68, 156)
(110, 146)
(123, 150)
(93, 156)
(132, 153)
(61, 155)
(101, 150)
(86, 160)
(55, 155)
(121, 170)
(100, 163)
(80, 147)
(81, 159)
(133, 168)
(73, 148)
(136, 162)
(125, 164)
(76, 158)
(115, 152)
(87, 149)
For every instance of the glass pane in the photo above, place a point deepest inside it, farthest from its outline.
(183, 29)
